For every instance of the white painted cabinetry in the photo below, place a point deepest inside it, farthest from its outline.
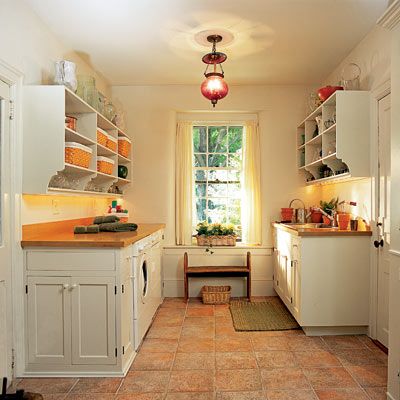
(323, 281)
(333, 142)
(79, 311)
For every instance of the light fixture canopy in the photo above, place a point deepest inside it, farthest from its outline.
(214, 87)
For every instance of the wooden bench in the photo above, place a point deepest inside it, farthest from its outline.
(216, 271)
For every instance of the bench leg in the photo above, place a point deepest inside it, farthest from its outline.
(249, 287)
(186, 283)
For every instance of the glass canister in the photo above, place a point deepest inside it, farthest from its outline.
(87, 90)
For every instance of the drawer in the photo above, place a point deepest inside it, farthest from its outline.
(68, 260)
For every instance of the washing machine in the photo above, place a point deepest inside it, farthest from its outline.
(147, 284)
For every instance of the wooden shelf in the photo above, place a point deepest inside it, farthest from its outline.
(80, 192)
(72, 136)
(45, 108)
(105, 151)
(349, 138)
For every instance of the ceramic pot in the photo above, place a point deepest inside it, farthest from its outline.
(316, 217)
(122, 171)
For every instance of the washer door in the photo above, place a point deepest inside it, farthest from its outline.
(144, 277)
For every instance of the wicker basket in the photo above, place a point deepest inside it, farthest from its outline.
(124, 146)
(203, 240)
(105, 165)
(111, 143)
(102, 137)
(77, 154)
(216, 294)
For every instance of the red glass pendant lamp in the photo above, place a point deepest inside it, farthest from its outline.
(214, 87)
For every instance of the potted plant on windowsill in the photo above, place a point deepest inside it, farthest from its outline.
(215, 234)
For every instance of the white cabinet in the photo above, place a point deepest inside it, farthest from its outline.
(338, 147)
(45, 135)
(79, 318)
(93, 320)
(323, 280)
(49, 320)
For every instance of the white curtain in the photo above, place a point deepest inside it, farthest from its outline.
(251, 206)
(184, 183)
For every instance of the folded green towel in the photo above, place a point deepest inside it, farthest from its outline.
(118, 227)
(80, 229)
(86, 229)
(105, 219)
(93, 229)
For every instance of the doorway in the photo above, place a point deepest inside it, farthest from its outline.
(382, 239)
(6, 337)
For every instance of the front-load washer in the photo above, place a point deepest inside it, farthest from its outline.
(146, 275)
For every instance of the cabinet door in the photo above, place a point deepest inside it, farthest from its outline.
(127, 316)
(295, 277)
(93, 320)
(49, 320)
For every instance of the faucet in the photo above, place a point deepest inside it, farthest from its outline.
(330, 217)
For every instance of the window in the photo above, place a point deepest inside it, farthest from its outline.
(217, 168)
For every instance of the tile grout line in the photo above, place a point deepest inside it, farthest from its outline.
(176, 351)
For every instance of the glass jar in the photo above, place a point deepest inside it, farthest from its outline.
(87, 90)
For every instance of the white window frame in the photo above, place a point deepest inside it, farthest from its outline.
(207, 153)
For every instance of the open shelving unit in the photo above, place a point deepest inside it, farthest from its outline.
(45, 134)
(336, 147)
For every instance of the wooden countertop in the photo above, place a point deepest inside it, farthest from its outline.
(60, 234)
(319, 232)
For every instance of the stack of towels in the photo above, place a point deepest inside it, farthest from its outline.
(108, 223)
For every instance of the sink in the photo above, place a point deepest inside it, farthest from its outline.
(309, 226)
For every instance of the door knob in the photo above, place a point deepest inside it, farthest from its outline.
(378, 243)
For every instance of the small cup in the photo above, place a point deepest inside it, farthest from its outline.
(354, 225)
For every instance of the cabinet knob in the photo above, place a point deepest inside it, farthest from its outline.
(65, 286)
(73, 286)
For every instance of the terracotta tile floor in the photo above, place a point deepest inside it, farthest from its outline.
(192, 352)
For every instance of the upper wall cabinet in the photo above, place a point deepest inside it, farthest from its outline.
(333, 142)
(94, 144)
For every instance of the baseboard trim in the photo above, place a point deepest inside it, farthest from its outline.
(334, 330)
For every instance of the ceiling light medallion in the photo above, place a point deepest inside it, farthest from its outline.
(214, 87)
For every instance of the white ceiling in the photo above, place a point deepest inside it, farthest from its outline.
(152, 41)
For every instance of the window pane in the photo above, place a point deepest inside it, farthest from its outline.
(200, 189)
(201, 210)
(199, 139)
(235, 161)
(234, 176)
(234, 215)
(235, 136)
(217, 139)
(217, 189)
(216, 176)
(217, 160)
(200, 160)
(217, 211)
(233, 203)
(200, 175)
(234, 190)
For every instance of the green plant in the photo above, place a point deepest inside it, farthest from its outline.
(329, 206)
(204, 228)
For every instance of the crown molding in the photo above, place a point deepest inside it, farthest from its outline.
(391, 18)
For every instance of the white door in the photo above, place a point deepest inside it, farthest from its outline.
(127, 334)
(5, 242)
(382, 241)
(49, 320)
(93, 320)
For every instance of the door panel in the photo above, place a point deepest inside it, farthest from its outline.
(5, 242)
(93, 320)
(49, 320)
(383, 219)
(127, 316)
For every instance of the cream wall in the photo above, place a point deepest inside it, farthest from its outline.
(372, 54)
(151, 120)
(28, 45)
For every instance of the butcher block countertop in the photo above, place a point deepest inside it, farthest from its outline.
(60, 234)
(319, 232)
